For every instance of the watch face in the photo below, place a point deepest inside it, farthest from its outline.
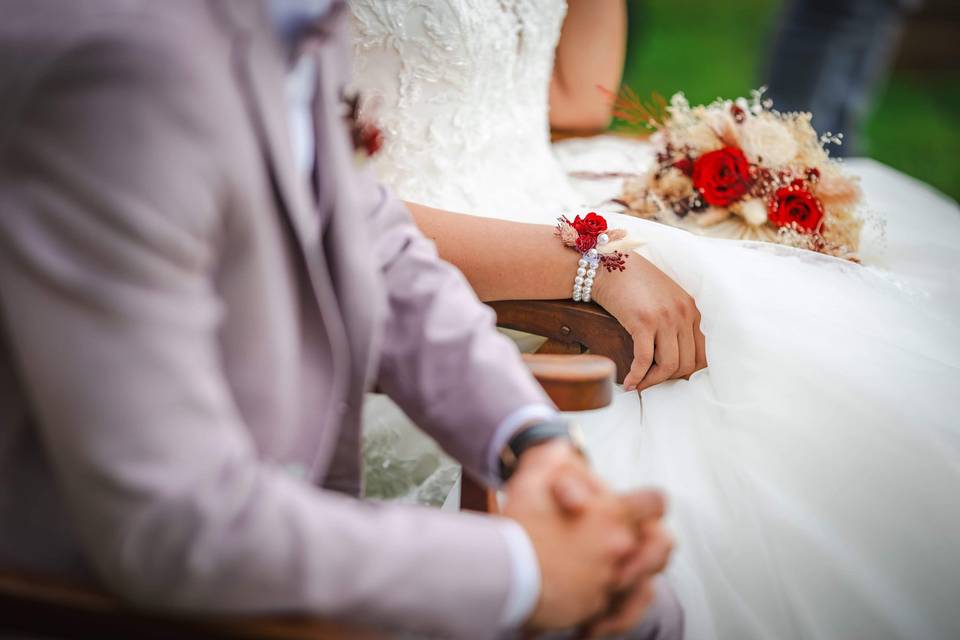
(529, 436)
(537, 433)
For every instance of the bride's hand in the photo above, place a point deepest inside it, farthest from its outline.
(662, 319)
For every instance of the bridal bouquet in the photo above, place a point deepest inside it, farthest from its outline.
(738, 169)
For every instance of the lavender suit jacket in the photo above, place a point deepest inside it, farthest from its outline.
(179, 329)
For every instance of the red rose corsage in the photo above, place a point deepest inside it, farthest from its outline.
(591, 238)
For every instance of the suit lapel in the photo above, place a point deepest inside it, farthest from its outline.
(259, 65)
(260, 70)
(355, 277)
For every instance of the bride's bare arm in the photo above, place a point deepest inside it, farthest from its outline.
(506, 260)
(503, 260)
(590, 52)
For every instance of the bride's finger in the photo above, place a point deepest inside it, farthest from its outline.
(687, 351)
(643, 344)
(666, 358)
(701, 345)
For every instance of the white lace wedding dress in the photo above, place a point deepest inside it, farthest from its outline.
(814, 467)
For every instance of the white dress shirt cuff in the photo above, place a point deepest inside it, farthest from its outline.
(525, 586)
(509, 426)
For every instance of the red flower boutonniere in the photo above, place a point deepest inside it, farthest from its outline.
(366, 136)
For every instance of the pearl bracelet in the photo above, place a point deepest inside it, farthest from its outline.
(586, 272)
(589, 236)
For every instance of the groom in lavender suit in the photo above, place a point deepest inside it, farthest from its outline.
(193, 303)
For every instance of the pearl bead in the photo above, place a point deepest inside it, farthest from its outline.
(592, 253)
(603, 238)
(578, 280)
(581, 271)
(582, 263)
(586, 297)
(576, 297)
(591, 272)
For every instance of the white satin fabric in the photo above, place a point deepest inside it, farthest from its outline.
(814, 467)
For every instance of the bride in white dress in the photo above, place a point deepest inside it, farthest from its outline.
(814, 466)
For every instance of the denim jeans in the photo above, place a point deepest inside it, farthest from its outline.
(829, 56)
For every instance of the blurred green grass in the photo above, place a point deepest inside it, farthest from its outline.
(709, 49)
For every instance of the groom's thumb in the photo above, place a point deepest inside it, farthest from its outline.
(571, 494)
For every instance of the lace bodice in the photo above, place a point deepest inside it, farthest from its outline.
(460, 90)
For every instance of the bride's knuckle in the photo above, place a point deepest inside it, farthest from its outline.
(648, 318)
(619, 545)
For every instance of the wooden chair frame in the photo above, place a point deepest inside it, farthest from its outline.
(570, 328)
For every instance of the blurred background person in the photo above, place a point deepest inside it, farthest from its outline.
(828, 57)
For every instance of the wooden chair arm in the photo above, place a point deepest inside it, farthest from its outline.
(37, 605)
(570, 327)
(574, 383)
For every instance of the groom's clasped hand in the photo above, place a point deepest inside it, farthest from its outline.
(598, 552)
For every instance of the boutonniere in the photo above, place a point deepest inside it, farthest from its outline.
(366, 136)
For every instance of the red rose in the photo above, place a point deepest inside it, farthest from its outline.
(722, 176)
(585, 242)
(371, 139)
(592, 224)
(795, 205)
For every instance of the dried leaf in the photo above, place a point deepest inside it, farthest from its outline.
(628, 106)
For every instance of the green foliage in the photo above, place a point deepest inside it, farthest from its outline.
(915, 127)
(709, 48)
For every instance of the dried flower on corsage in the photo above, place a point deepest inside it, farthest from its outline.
(590, 237)
(739, 169)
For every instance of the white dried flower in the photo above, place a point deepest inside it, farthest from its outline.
(768, 142)
(753, 211)
(700, 137)
(712, 216)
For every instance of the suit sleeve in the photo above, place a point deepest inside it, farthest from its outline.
(443, 361)
(111, 210)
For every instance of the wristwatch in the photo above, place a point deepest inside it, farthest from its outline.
(537, 433)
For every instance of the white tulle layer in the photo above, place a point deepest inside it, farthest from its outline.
(814, 467)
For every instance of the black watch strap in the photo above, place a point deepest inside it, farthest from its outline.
(536, 433)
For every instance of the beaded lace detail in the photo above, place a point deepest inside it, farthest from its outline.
(460, 90)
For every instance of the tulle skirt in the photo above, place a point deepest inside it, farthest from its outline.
(813, 469)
